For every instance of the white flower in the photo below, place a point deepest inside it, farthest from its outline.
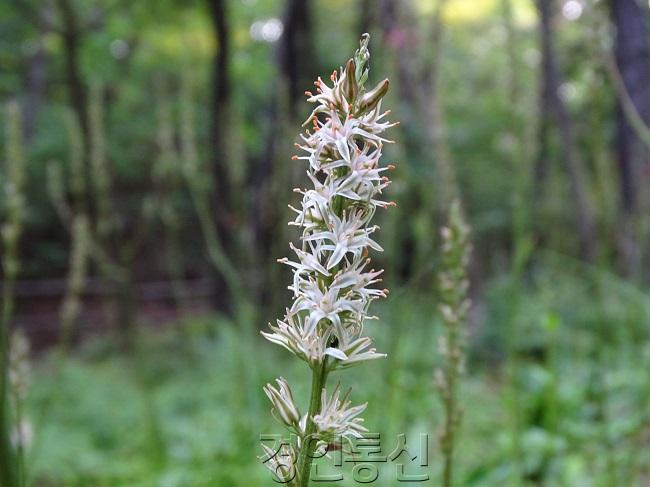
(347, 234)
(324, 305)
(282, 463)
(337, 419)
(290, 334)
(356, 350)
(284, 406)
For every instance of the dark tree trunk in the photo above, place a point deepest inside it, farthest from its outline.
(72, 36)
(546, 98)
(553, 109)
(71, 33)
(632, 56)
(296, 72)
(398, 26)
(220, 110)
(397, 38)
(222, 207)
(397, 23)
(367, 16)
(264, 219)
(35, 84)
(296, 52)
(434, 117)
(632, 51)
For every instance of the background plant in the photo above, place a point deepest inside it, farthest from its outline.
(454, 305)
(14, 203)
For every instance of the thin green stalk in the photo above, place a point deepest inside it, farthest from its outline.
(200, 198)
(166, 175)
(18, 386)
(6, 451)
(101, 179)
(451, 420)
(513, 400)
(305, 458)
(76, 278)
(11, 230)
(21, 473)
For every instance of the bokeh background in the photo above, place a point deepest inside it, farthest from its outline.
(156, 137)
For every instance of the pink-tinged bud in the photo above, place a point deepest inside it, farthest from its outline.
(372, 98)
(350, 86)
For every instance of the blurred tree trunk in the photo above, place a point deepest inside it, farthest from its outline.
(439, 188)
(632, 56)
(35, 85)
(220, 113)
(296, 72)
(632, 51)
(367, 16)
(519, 104)
(553, 110)
(40, 16)
(545, 121)
(446, 184)
(220, 109)
(296, 51)
(398, 26)
(71, 33)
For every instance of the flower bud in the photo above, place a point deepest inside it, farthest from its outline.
(350, 85)
(283, 403)
(372, 98)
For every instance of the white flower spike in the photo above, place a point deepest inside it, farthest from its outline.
(332, 289)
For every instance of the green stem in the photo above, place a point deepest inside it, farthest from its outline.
(451, 413)
(7, 470)
(305, 457)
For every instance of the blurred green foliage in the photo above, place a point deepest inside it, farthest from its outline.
(584, 400)
(557, 390)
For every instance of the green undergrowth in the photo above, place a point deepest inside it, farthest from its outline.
(557, 389)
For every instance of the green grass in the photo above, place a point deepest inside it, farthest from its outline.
(188, 409)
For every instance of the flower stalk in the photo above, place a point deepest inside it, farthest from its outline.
(453, 286)
(332, 284)
(319, 378)
(19, 382)
(14, 200)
